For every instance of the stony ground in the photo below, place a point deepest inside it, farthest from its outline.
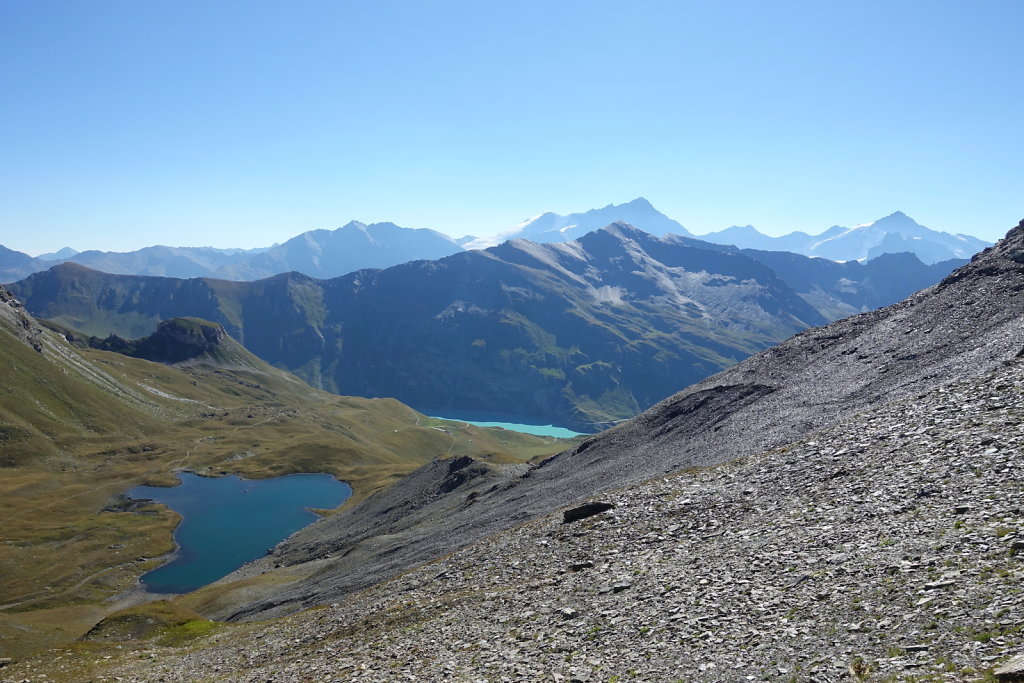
(890, 547)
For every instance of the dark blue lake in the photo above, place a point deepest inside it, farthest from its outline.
(227, 521)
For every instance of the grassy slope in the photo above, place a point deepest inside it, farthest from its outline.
(78, 428)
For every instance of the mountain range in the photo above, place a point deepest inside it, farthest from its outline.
(896, 233)
(970, 324)
(843, 504)
(356, 246)
(317, 253)
(583, 333)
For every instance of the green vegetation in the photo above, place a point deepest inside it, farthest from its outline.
(78, 427)
(170, 623)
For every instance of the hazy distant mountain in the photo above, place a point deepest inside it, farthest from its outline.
(578, 333)
(837, 289)
(330, 253)
(747, 237)
(160, 261)
(551, 227)
(61, 255)
(318, 253)
(15, 265)
(896, 233)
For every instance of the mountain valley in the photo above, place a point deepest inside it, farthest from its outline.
(816, 379)
(134, 377)
(888, 547)
(845, 504)
(584, 333)
(79, 426)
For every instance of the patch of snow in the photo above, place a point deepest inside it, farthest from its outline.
(608, 294)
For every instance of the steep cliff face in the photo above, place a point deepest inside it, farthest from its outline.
(970, 323)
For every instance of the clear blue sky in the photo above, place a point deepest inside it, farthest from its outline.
(242, 123)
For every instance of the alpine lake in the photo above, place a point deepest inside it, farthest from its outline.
(228, 521)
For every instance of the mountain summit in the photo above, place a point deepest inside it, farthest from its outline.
(552, 227)
(892, 234)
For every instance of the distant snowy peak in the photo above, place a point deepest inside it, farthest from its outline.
(892, 234)
(552, 227)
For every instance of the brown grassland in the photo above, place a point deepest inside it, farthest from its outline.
(79, 427)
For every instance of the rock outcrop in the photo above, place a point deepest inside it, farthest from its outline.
(175, 341)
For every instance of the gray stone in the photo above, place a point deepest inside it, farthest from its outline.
(1012, 670)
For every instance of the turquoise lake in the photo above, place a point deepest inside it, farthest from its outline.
(485, 419)
(228, 521)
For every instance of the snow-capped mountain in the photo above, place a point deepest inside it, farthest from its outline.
(893, 234)
(552, 227)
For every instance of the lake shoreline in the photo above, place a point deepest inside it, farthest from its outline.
(228, 520)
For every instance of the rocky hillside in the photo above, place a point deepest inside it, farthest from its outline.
(174, 341)
(886, 545)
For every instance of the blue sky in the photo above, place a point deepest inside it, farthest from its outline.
(233, 123)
